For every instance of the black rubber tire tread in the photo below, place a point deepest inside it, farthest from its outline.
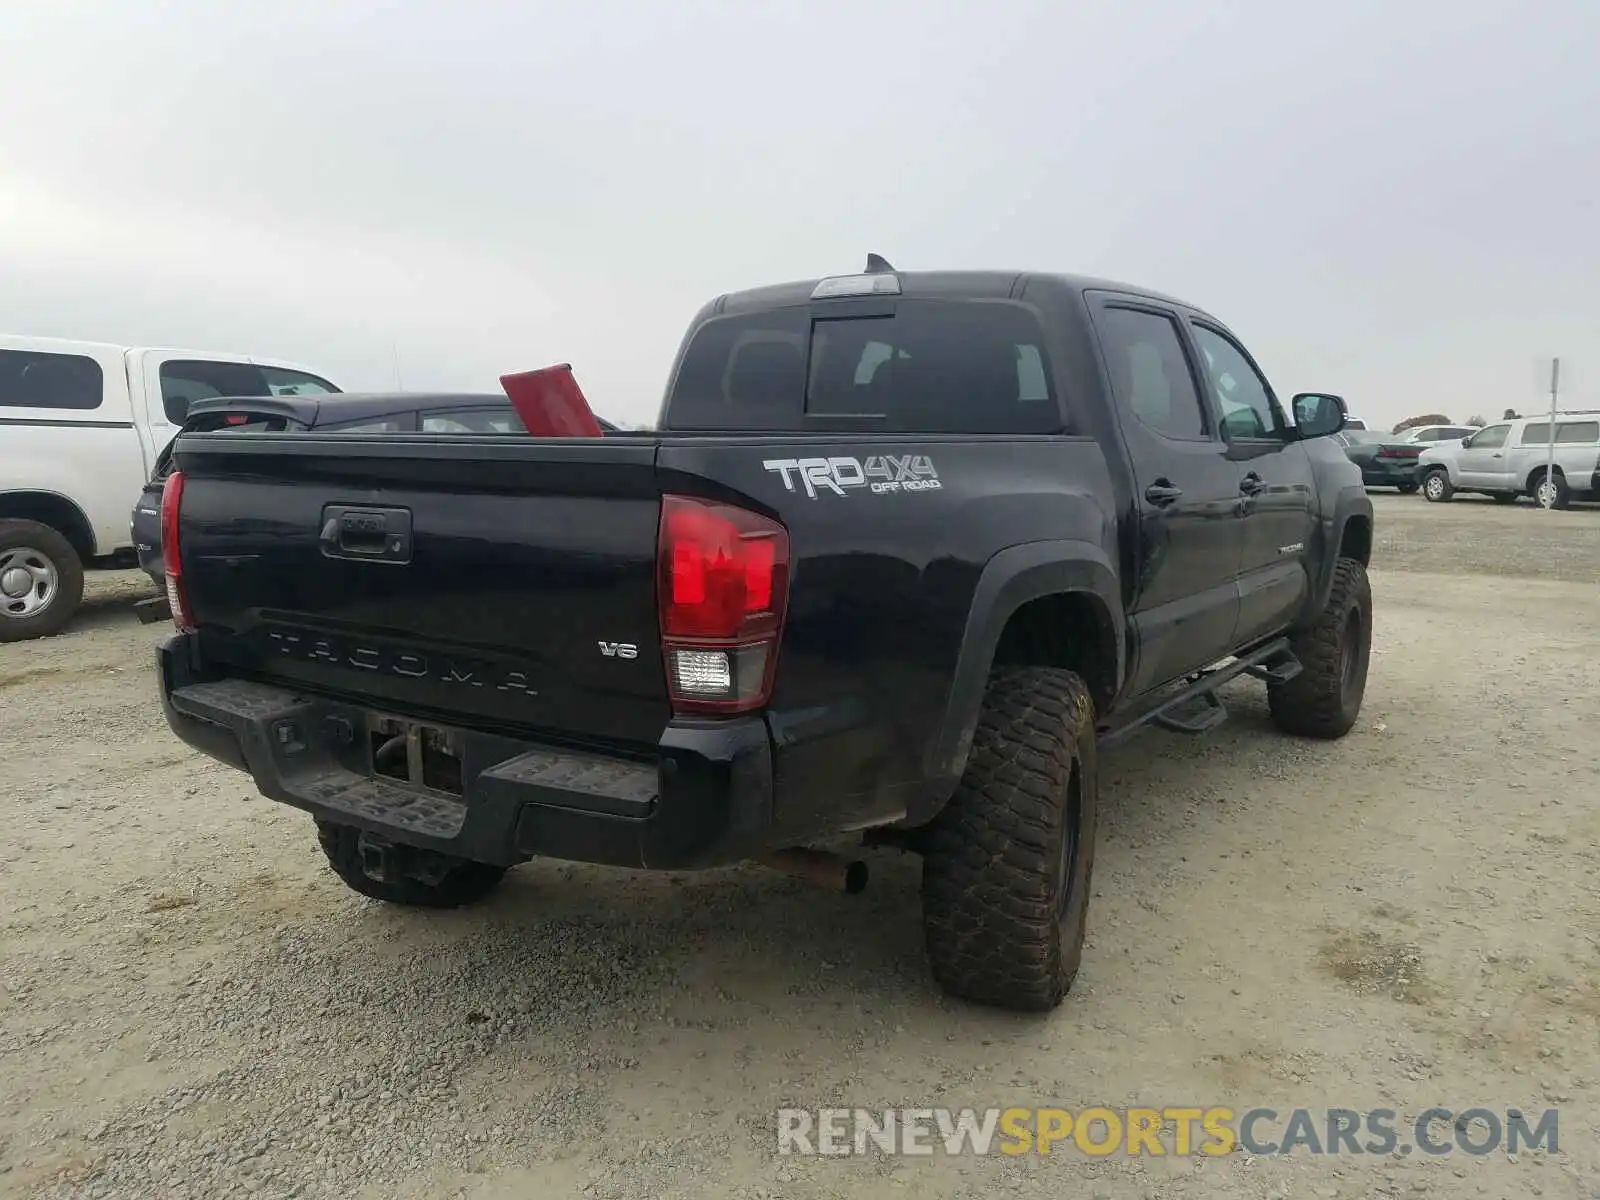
(1563, 496)
(1408, 489)
(1314, 703)
(991, 859)
(1504, 497)
(69, 572)
(1447, 494)
(467, 884)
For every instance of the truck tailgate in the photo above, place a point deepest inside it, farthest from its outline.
(505, 583)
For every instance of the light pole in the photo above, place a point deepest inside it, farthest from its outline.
(1549, 484)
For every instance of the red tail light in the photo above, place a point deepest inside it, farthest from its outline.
(723, 590)
(172, 552)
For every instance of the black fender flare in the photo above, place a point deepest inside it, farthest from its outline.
(1351, 503)
(1009, 580)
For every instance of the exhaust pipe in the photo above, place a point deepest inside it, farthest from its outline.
(821, 867)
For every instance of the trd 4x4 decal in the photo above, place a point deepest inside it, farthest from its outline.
(880, 473)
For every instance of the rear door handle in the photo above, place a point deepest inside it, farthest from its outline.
(1252, 484)
(1161, 493)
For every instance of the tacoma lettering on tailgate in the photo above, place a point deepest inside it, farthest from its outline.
(388, 660)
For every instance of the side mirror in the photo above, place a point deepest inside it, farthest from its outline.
(1467, 441)
(1317, 414)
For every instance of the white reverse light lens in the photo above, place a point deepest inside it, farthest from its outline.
(706, 673)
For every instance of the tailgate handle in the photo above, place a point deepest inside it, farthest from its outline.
(366, 534)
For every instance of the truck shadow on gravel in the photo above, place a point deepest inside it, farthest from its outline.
(579, 999)
(106, 606)
(740, 946)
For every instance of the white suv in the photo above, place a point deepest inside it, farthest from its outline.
(1508, 459)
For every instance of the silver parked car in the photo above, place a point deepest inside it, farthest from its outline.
(1438, 433)
(1507, 459)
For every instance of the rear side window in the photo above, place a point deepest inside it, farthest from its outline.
(1568, 433)
(1577, 432)
(391, 424)
(931, 367)
(1150, 373)
(472, 420)
(65, 381)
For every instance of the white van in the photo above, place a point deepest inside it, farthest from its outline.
(1509, 458)
(81, 424)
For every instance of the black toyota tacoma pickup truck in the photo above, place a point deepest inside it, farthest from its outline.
(904, 554)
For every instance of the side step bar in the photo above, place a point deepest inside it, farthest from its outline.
(1194, 708)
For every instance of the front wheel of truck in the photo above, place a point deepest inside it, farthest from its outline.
(400, 875)
(1006, 864)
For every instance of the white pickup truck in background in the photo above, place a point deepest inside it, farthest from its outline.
(81, 424)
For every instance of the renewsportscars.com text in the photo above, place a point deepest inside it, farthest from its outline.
(1163, 1131)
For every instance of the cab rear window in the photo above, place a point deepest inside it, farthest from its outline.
(932, 366)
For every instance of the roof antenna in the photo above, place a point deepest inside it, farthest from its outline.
(878, 265)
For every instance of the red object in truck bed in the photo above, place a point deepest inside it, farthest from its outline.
(550, 403)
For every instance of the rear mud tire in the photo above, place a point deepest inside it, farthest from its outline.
(1324, 700)
(1007, 863)
(1554, 494)
(461, 884)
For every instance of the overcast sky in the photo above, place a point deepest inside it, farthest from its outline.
(1396, 201)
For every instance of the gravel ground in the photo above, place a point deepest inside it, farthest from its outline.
(194, 1006)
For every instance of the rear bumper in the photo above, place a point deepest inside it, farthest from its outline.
(1383, 474)
(703, 799)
